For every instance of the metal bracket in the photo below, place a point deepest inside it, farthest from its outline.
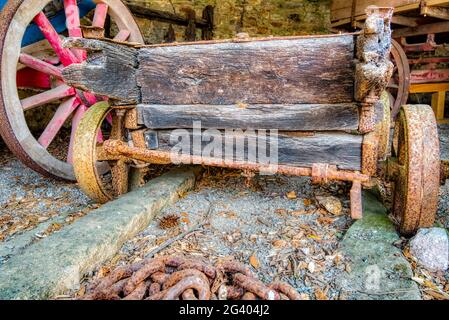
(151, 139)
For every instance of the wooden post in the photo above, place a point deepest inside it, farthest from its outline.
(373, 69)
(207, 33)
(438, 103)
(170, 36)
(190, 34)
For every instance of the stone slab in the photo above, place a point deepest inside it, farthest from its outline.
(379, 271)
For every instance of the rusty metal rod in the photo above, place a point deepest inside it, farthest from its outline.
(120, 148)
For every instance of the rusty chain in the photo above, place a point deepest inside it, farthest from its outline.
(186, 278)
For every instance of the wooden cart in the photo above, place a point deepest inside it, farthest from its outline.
(420, 30)
(331, 116)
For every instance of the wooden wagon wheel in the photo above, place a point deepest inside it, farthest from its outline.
(415, 168)
(399, 85)
(101, 178)
(41, 70)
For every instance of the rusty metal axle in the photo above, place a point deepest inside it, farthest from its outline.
(318, 172)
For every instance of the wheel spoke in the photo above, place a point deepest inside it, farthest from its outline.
(72, 17)
(40, 65)
(40, 99)
(65, 55)
(79, 113)
(101, 12)
(64, 111)
(122, 36)
(28, 78)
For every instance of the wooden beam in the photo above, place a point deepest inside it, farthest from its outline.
(341, 10)
(110, 71)
(438, 104)
(438, 27)
(302, 117)
(295, 148)
(429, 87)
(315, 70)
(435, 12)
(297, 70)
(163, 16)
(404, 21)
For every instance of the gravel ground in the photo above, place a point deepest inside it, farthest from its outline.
(27, 199)
(275, 224)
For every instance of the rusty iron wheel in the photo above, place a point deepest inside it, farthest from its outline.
(417, 174)
(100, 177)
(44, 59)
(383, 127)
(399, 85)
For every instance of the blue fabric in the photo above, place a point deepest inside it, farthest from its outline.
(33, 34)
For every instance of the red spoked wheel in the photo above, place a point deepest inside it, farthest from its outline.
(37, 68)
(399, 85)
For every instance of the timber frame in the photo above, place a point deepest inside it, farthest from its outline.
(322, 93)
(353, 13)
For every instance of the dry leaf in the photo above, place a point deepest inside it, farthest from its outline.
(185, 220)
(314, 237)
(307, 202)
(281, 211)
(325, 220)
(254, 261)
(299, 212)
(291, 195)
(337, 259)
(320, 295)
(279, 243)
(348, 268)
(296, 243)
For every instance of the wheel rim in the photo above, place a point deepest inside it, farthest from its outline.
(416, 148)
(399, 85)
(15, 131)
(102, 179)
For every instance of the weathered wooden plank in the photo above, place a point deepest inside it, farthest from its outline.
(109, 71)
(295, 149)
(292, 71)
(302, 117)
